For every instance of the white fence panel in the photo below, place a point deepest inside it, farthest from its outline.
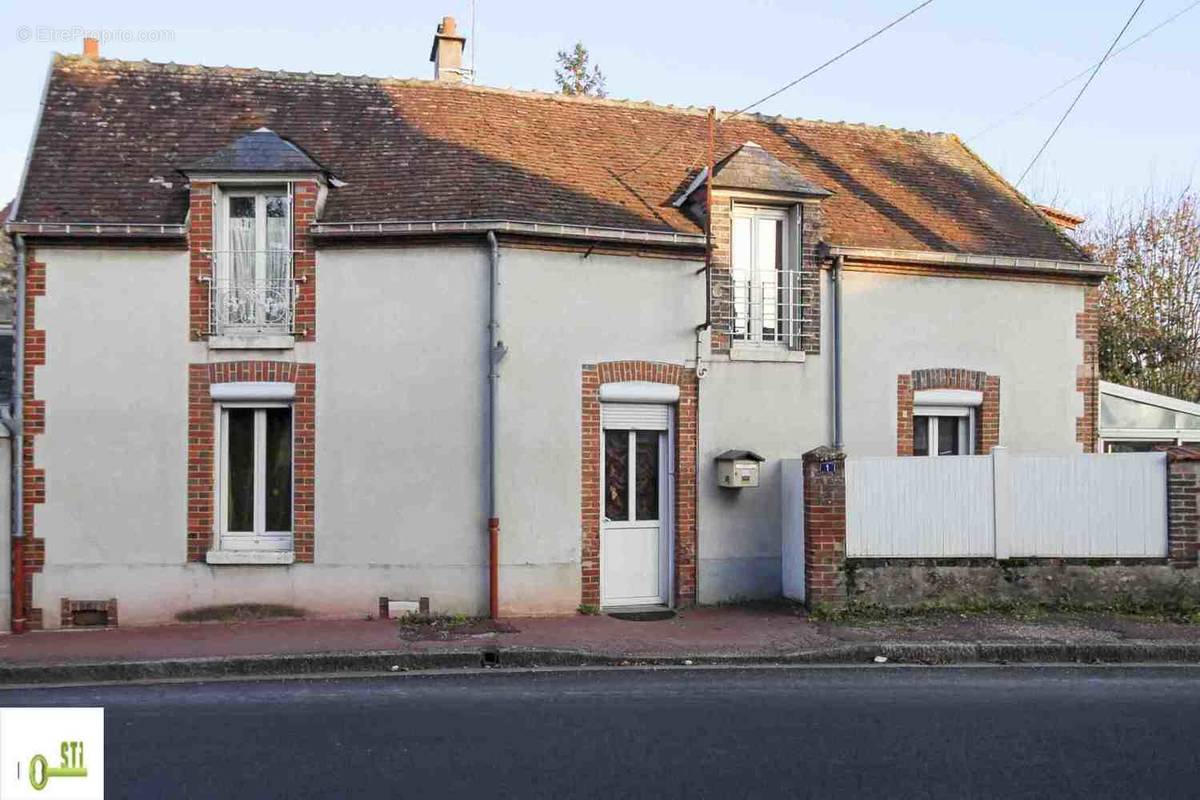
(919, 507)
(1089, 506)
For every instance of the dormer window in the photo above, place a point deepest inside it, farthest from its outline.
(254, 201)
(253, 288)
(765, 281)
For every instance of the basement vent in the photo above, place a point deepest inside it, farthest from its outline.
(88, 613)
(89, 619)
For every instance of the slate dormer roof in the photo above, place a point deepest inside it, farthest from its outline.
(261, 150)
(114, 135)
(751, 167)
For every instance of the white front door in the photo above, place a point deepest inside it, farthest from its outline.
(635, 528)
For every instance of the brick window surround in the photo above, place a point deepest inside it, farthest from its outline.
(987, 421)
(685, 470)
(202, 448)
(304, 259)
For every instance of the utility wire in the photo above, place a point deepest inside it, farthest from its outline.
(836, 58)
(1074, 78)
(780, 91)
(1071, 107)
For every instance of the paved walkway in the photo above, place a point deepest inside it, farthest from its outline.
(725, 631)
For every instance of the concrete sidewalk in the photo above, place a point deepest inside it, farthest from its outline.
(750, 634)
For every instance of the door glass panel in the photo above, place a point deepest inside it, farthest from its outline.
(645, 466)
(947, 436)
(741, 269)
(768, 251)
(277, 261)
(279, 469)
(616, 475)
(921, 436)
(240, 425)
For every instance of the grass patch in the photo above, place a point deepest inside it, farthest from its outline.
(239, 612)
(414, 627)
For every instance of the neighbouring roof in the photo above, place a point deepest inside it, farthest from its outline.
(262, 150)
(114, 135)
(1063, 219)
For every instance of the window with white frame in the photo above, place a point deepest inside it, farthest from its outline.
(765, 276)
(253, 287)
(943, 431)
(254, 481)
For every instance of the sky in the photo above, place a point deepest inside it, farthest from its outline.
(957, 66)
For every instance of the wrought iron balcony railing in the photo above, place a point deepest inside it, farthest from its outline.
(766, 309)
(252, 293)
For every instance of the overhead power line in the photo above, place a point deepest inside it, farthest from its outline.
(783, 89)
(1091, 77)
(836, 58)
(1018, 112)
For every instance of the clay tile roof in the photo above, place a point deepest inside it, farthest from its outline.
(114, 136)
(262, 150)
(752, 167)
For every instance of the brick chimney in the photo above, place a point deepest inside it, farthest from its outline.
(447, 52)
(91, 47)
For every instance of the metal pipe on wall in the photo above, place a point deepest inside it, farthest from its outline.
(836, 278)
(496, 351)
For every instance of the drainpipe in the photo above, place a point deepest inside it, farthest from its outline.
(836, 278)
(17, 440)
(496, 352)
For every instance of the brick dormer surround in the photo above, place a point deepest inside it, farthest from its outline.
(812, 231)
(304, 194)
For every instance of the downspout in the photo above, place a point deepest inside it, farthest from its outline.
(12, 421)
(496, 351)
(836, 278)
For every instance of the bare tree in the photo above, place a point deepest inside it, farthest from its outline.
(1150, 306)
(573, 75)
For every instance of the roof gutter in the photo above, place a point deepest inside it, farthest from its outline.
(972, 261)
(92, 230)
(555, 230)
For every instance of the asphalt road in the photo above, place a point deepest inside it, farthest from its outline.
(876, 732)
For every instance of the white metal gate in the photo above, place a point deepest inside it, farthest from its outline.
(1007, 506)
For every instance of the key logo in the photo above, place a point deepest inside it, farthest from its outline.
(51, 753)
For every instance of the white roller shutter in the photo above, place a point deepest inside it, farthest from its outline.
(636, 416)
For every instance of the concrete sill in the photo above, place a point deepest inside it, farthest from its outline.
(766, 352)
(263, 342)
(250, 557)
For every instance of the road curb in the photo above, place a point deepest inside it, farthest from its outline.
(386, 662)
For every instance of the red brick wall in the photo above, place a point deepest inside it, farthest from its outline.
(304, 264)
(685, 470)
(200, 241)
(33, 549)
(1183, 506)
(202, 448)
(825, 526)
(1087, 379)
(987, 421)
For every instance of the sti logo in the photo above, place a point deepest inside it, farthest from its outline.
(70, 766)
(51, 753)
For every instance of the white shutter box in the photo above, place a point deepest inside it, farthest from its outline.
(635, 416)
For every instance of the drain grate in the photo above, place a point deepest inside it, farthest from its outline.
(643, 616)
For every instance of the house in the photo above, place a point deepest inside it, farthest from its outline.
(321, 340)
